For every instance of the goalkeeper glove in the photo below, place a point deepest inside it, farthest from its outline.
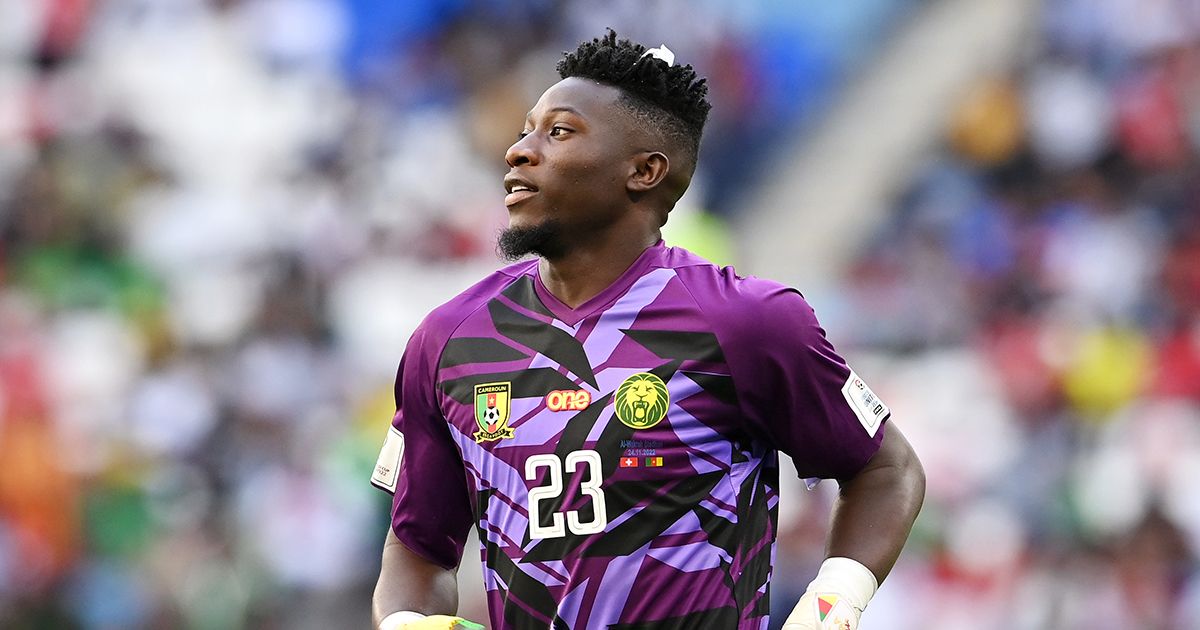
(406, 620)
(835, 598)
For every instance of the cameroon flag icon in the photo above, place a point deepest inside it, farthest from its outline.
(825, 603)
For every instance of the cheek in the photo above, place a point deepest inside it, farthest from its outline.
(602, 171)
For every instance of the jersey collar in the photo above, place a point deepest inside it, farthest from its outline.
(572, 316)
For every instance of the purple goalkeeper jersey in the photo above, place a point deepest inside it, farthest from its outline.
(619, 459)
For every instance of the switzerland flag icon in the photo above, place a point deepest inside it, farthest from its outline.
(629, 462)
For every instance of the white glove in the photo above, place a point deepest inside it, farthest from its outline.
(407, 620)
(835, 598)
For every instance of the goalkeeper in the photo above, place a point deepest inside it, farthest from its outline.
(608, 414)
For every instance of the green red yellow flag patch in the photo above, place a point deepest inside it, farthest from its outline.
(825, 603)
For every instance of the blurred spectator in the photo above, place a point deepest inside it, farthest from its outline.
(1054, 238)
(219, 222)
(221, 219)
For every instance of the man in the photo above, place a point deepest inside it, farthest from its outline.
(608, 414)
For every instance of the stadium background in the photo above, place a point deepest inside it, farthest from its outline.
(220, 220)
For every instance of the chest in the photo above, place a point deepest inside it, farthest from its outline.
(617, 403)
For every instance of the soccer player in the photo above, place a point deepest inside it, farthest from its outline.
(608, 414)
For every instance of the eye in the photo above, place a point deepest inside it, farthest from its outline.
(521, 136)
(558, 130)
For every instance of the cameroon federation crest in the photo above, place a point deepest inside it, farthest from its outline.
(642, 401)
(491, 411)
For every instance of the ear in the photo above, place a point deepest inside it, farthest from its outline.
(650, 168)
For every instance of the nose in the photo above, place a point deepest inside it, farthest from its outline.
(521, 152)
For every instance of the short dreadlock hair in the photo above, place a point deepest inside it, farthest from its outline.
(668, 97)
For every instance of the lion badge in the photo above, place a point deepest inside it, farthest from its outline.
(642, 401)
(491, 411)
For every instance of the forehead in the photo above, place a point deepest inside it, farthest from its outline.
(591, 100)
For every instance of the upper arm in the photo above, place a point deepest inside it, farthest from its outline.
(431, 512)
(796, 390)
(408, 581)
(896, 458)
(877, 505)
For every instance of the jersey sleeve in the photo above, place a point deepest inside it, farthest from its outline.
(796, 392)
(431, 511)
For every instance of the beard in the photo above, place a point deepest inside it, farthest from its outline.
(544, 239)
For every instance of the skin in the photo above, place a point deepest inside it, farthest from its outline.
(875, 509)
(598, 177)
(608, 183)
(409, 582)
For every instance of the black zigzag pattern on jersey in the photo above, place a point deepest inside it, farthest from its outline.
(479, 508)
(642, 527)
(756, 518)
(725, 617)
(629, 495)
(720, 533)
(720, 386)
(762, 606)
(558, 345)
(577, 428)
(533, 383)
(677, 344)
(464, 350)
(522, 293)
(529, 591)
(616, 431)
(580, 425)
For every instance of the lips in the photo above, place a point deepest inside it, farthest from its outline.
(518, 188)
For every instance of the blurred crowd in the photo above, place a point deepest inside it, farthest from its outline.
(1033, 304)
(221, 219)
(219, 222)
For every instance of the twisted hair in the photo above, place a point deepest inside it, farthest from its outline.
(671, 98)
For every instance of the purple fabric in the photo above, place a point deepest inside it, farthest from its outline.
(748, 372)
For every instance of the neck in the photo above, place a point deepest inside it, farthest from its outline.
(586, 270)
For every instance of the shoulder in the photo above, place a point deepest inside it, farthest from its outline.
(439, 325)
(741, 305)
